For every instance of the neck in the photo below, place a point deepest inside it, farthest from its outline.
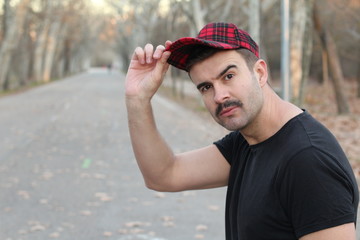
(274, 114)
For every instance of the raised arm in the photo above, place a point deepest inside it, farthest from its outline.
(161, 169)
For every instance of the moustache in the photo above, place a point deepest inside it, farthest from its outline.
(227, 104)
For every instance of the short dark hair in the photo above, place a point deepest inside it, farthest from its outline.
(201, 53)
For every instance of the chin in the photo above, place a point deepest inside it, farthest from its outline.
(233, 126)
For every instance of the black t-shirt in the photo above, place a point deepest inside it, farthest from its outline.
(296, 182)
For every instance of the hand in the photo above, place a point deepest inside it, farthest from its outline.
(146, 71)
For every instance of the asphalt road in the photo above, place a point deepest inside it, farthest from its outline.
(67, 170)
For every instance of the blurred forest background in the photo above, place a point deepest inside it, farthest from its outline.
(45, 40)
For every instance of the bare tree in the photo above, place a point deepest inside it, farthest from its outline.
(11, 39)
(358, 74)
(301, 13)
(6, 17)
(49, 38)
(52, 42)
(307, 51)
(198, 13)
(44, 22)
(336, 71)
(254, 20)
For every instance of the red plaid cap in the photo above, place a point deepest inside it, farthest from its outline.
(216, 35)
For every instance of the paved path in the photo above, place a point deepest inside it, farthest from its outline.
(67, 170)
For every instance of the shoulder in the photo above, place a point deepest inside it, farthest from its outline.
(317, 134)
(304, 134)
(231, 144)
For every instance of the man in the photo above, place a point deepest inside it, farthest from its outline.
(286, 174)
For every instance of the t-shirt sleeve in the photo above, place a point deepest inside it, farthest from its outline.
(226, 145)
(316, 192)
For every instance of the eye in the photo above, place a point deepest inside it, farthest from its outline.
(229, 76)
(204, 88)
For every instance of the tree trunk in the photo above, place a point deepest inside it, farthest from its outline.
(297, 46)
(325, 66)
(337, 75)
(24, 56)
(59, 58)
(6, 17)
(198, 15)
(51, 49)
(40, 47)
(334, 64)
(254, 20)
(266, 5)
(39, 53)
(307, 50)
(226, 10)
(11, 39)
(358, 75)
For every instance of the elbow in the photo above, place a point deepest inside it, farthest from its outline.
(161, 187)
(151, 186)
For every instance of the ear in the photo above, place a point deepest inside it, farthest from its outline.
(260, 70)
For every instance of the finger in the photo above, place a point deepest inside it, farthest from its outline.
(162, 65)
(139, 55)
(149, 50)
(158, 51)
(168, 44)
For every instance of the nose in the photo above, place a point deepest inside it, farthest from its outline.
(221, 94)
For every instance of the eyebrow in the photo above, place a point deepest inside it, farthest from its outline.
(226, 69)
(218, 76)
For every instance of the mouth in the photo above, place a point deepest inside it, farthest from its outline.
(226, 109)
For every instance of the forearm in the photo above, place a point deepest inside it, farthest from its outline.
(152, 153)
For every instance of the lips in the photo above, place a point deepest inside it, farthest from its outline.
(227, 111)
(227, 108)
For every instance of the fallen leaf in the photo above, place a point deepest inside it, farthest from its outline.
(136, 224)
(24, 194)
(108, 234)
(168, 221)
(213, 208)
(199, 236)
(54, 235)
(201, 227)
(160, 195)
(47, 175)
(136, 230)
(37, 227)
(86, 213)
(99, 176)
(103, 197)
(123, 231)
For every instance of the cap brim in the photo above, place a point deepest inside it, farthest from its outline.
(181, 49)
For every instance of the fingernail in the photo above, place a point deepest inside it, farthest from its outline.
(167, 54)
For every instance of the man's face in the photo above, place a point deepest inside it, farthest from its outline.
(230, 91)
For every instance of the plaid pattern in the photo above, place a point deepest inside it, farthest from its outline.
(217, 35)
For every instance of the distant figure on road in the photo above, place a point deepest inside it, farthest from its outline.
(109, 67)
(286, 175)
